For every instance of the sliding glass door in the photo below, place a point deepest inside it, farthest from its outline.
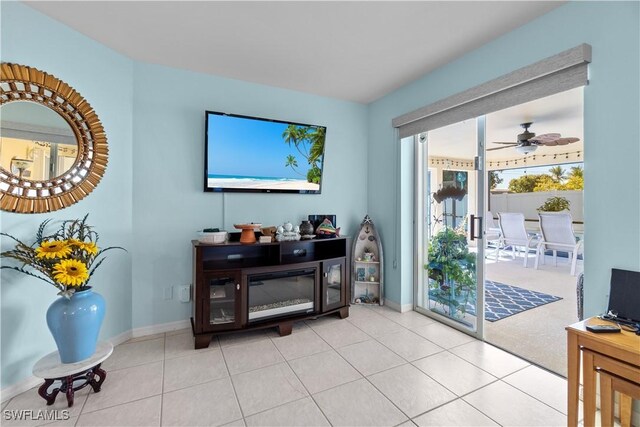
(450, 209)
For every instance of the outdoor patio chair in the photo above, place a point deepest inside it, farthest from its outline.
(515, 235)
(557, 235)
(492, 233)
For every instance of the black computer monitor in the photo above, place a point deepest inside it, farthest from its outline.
(624, 297)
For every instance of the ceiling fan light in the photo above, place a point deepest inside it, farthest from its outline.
(526, 149)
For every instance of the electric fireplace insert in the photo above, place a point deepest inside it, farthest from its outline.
(281, 293)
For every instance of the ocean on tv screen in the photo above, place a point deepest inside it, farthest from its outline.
(258, 154)
(260, 183)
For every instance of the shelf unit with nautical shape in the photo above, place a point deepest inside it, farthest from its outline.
(367, 275)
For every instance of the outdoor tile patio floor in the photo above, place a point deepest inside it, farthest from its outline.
(377, 367)
(536, 334)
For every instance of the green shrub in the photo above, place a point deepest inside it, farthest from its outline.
(555, 204)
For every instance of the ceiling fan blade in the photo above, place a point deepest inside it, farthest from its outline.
(559, 141)
(546, 137)
(565, 141)
(500, 148)
(509, 143)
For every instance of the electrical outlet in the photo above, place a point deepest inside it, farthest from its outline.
(184, 293)
(168, 293)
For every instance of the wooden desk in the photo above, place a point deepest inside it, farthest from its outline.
(628, 391)
(621, 347)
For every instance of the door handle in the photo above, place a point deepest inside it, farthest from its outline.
(472, 227)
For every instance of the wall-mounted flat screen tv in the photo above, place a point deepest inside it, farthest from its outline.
(252, 154)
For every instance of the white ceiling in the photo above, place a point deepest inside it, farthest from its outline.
(357, 51)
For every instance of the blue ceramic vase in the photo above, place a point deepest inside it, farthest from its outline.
(75, 324)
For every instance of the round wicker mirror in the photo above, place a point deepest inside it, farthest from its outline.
(46, 163)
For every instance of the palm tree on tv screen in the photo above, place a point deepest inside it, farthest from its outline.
(292, 163)
(309, 142)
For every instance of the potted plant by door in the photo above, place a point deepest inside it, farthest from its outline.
(66, 259)
(451, 270)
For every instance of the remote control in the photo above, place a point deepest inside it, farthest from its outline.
(599, 329)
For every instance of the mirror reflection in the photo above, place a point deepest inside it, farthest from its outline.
(36, 143)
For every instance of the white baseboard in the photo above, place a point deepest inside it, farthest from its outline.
(397, 307)
(31, 381)
(19, 387)
(157, 329)
(120, 338)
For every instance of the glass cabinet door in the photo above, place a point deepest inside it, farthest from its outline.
(221, 306)
(333, 285)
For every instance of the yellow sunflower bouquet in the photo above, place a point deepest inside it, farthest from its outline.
(66, 259)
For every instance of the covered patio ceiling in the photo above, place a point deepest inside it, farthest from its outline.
(560, 113)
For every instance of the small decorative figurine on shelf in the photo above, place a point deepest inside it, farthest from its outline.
(287, 232)
(306, 230)
(269, 232)
(327, 230)
(367, 298)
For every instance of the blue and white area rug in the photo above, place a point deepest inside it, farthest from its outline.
(502, 300)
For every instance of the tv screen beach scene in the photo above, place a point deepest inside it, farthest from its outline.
(262, 155)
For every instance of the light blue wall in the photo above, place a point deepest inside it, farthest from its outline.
(169, 203)
(151, 200)
(104, 78)
(611, 134)
(154, 119)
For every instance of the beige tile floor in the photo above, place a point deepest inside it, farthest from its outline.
(377, 367)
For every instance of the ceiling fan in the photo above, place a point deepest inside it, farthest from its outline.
(528, 142)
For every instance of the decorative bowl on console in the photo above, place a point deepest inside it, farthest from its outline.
(213, 237)
(248, 235)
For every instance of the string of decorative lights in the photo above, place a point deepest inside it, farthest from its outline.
(63, 149)
(448, 163)
(555, 156)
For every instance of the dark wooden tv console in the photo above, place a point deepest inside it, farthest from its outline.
(231, 282)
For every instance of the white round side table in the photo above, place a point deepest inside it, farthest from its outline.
(85, 372)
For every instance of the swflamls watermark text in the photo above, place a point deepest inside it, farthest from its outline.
(35, 415)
